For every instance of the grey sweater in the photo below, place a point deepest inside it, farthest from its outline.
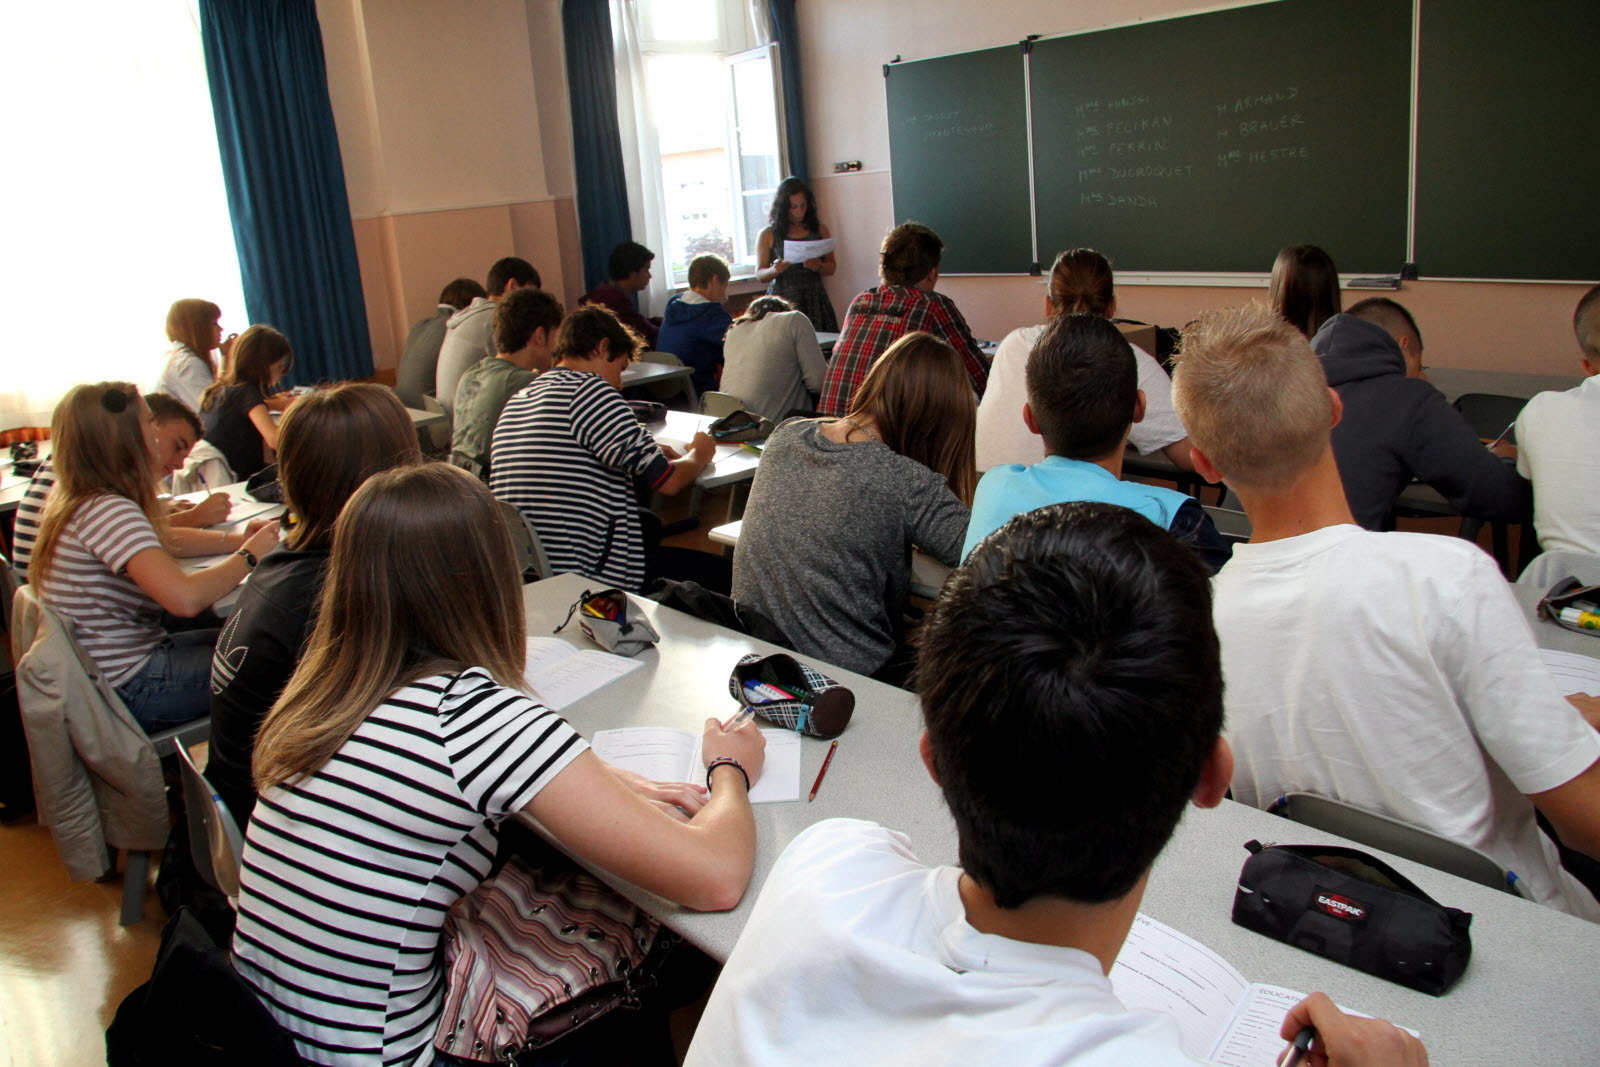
(825, 549)
(774, 364)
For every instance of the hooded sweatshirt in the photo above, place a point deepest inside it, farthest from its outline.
(693, 329)
(468, 337)
(1396, 429)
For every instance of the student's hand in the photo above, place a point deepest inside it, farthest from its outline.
(208, 512)
(1588, 707)
(1348, 1041)
(745, 744)
(678, 799)
(262, 541)
(779, 266)
(704, 447)
(226, 347)
(813, 263)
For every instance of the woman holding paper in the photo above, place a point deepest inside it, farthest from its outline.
(403, 740)
(794, 219)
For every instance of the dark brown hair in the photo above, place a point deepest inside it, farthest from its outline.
(1083, 386)
(461, 292)
(255, 353)
(521, 312)
(703, 270)
(910, 253)
(1080, 282)
(164, 408)
(919, 394)
(1305, 287)
(331, 441)
(586, 327)
(192, 323)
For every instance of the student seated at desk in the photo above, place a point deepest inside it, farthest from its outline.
(838, 504)
(1304, 288)
(1067, 745)
(99, 560)
(567, 451)
(525, 323)
(469, 333)
(1398, 428)
(195, 329)
(237, 408)
(1392, 671)
(331, 441)
(1557, 450)
(417, 375)
(1080, 283)
(696, 323)
(1083, 400)
(629, 271)
(402, 741)
(774, 364)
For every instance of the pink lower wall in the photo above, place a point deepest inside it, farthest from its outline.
(406, 259)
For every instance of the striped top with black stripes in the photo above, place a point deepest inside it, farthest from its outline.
(566, 453)
(116, 622)
(30, 510)
(348, 873)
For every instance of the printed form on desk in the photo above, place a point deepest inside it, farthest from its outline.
(1223, 1019)
(1574, 672)
(669, 755)
(561, 675)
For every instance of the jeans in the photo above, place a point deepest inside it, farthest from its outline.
(174, 685)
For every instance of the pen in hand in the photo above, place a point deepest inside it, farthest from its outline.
(744, 715)
(1299, 1048)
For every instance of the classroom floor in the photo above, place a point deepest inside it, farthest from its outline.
(66, 963)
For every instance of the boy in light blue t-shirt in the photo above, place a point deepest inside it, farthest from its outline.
(1083, 399)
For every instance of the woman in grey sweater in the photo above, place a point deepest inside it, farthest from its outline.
(838, 504)
(771, 359)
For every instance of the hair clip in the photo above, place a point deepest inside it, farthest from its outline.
(114, 401)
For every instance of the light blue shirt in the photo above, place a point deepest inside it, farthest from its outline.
(1012, 489)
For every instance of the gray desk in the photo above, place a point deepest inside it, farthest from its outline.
(1453, 382)
(732, 463)
(420, 418)
(1528, 995)
(13, 486)
(653, 374)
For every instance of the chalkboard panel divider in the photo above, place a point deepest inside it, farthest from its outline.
(1416, 97)
(1026, 44)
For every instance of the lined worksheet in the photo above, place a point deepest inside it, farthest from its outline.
(669, 755)
(561, 675)
(1574, 672)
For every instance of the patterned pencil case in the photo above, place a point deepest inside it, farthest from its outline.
(610, 621)
(791, 694)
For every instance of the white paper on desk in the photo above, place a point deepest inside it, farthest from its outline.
(1574, 672)
(561, 675)
(1221, 1017)
(244, 508)
(668, 755)
(800, 251)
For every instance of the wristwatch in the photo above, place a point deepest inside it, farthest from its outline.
(249, 557)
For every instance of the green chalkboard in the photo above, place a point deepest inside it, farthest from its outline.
(1208, 142)
(959, 145)
(1507, 154)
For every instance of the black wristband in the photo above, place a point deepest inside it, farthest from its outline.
(727, 761)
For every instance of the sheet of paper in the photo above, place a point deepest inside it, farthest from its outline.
(800, 251)
(1252, 1037)
(1574, 672)
(1160, 969)
(560, 677)
(243, 509)
(780, 771)
(659, 753)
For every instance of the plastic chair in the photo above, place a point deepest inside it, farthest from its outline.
(214, 838)
(525, 540)
(718, 404)
(435, 438)
(1490, 414)
(667, 390)
(1548, 568)
(1234, 526)
(1391, 835)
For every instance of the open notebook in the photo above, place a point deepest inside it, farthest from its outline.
(560, 674)
(668, 755)
(1223, 1018)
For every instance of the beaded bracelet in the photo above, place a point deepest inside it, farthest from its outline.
(727, 761)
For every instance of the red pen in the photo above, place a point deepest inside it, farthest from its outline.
(822, 771)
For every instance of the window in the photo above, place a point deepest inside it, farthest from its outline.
(716, 107)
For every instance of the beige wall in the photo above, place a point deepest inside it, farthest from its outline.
(845, 44)
(452, 118)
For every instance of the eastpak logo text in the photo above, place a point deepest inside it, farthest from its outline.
(1341, 907)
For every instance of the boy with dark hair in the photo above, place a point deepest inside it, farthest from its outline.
(696, 323)
(1556, 448)
(417, 375)
(629, 270)
(904, 303)
(469, 334)
(1392, 671)
(525, 324)
(567, 452)
(1066, 761)
(1084, 399)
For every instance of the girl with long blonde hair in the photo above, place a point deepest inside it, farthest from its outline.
(837, 506)
(99, 559)
(403, 739)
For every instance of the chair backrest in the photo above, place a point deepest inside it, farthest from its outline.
(530, 552)
(718, 404)
(436, 436)
(1234, 526)
(1391, 835)
(1548, 568)
(8, 589)
(214, 838)
(1489, 414)
(668, 390)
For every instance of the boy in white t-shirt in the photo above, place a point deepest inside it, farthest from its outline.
(1066, 760)
(1393, 671)
(1557, 449)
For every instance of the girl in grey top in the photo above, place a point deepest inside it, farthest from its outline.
(838, 504)
(772, 361)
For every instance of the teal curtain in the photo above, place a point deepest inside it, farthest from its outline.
(787, 33)
(603, 218)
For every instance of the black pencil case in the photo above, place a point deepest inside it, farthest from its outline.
(1354, 909)
(816, 705)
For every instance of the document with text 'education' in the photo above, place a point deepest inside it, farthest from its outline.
(669, 755)
(561, 675)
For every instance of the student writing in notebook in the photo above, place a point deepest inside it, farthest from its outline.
(1067, 744)
(237, 408)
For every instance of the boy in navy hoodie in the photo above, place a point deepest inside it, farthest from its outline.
(696, 322)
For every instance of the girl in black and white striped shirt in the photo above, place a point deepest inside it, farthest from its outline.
(402, 740)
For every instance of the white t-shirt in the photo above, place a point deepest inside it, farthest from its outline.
(1396, 672)
(857, 953)
(1556, 451)
(184, 377)
(1004, 438)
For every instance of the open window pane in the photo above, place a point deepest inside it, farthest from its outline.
(758, 148)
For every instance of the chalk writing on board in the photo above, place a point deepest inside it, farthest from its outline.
(1251, 101)
(929, 117)
(1257, 127)
(1116, 200)
(1238, 157)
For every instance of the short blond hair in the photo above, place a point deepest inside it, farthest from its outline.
(1252, 394)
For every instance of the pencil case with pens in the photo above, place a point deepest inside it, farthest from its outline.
(737, 427)
(610, 621)
(792, 694)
